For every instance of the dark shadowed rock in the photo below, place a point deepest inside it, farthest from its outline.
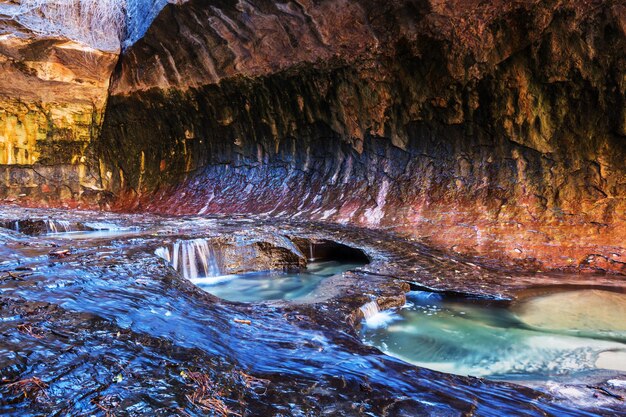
(493, 129)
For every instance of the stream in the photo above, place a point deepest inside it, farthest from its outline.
(491, 339)
(96, 319)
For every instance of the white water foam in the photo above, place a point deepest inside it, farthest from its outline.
(213, 280)
(374, 318)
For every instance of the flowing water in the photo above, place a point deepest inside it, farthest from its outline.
(492, 339)
(58, 226)
(200, 261)
(194, 259)
(92, 231)
(272, 285)
(93, 322)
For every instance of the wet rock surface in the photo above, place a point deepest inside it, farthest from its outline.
(104, 325)
(236, 255)
(495, 129)
(463, 146)
(584, 311)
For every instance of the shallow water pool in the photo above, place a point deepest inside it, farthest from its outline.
(494, 339)
(272, 285)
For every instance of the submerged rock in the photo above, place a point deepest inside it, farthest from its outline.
(612, 360)
(588, 311)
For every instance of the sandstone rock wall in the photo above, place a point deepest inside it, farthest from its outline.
(487, 128)
(495, 129)
(139, 17)
(53, 91)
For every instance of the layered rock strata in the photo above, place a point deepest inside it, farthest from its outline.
(494, 129)
(53, 90)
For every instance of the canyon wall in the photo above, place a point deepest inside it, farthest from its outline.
(56, 61)
(493, 129)
(487, 128)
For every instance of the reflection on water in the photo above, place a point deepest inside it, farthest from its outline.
(471, 337)
(272, 285)
(59, 229)
(96, 234)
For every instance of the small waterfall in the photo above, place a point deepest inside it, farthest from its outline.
(370, 309)
(102, 226)
(311, 251)
(192, 258)
(17, 226)
(164, 253)
(58, 226)
(374, 317)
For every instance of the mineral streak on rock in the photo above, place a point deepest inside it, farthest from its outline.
(487, 128)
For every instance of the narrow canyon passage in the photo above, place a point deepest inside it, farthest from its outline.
(293, 208)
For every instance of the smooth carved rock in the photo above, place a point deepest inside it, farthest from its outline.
(591, 311)
(486, 128)
(217, 41)
(493, 129)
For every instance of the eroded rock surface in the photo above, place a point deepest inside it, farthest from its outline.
(493, 129)
(110, 327)
(490, 129)
(53, 92)
(585, 311)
